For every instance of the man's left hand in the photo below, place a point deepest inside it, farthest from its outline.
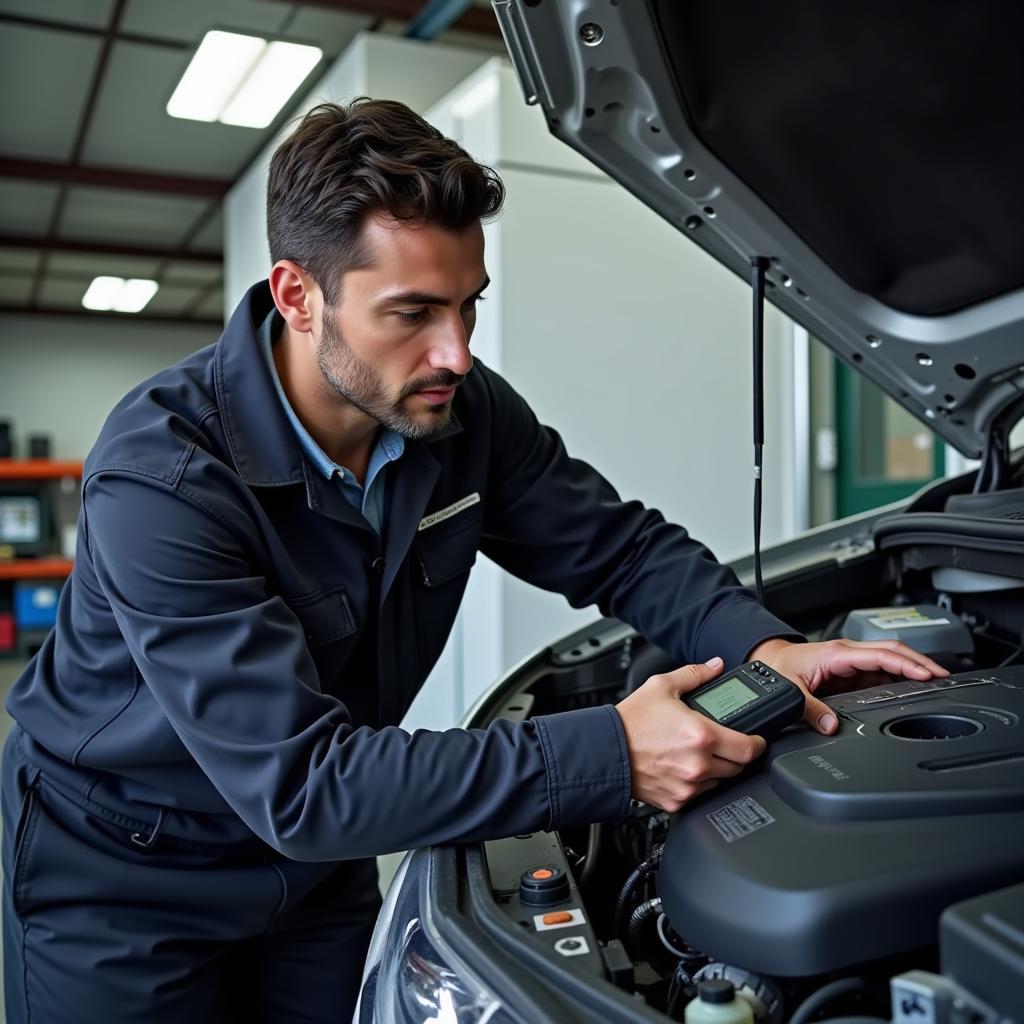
(812, 665)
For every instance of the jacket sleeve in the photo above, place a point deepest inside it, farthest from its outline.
(226, 660)
(555, 522)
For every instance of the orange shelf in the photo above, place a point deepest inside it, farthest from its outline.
(35, 568)
(38, 469)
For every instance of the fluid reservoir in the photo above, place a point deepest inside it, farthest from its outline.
(927, 628)
(717, 1003)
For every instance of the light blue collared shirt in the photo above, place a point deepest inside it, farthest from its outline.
(368, 498)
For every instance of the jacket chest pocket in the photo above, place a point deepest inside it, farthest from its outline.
(325, 616)
(448, 550)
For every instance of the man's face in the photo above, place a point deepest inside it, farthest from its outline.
(396, 345)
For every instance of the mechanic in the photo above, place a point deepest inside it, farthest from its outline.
(274, 540)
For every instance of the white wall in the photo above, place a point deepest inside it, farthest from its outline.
(383, 67)
(62, 375)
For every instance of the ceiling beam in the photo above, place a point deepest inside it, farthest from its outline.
(109, 249)
(84, 122)
(98, 75)
(476, 19)
(435, 16)
(124, 318)
(96, 33)
(113, 177)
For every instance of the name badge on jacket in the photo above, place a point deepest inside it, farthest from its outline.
(452, 510)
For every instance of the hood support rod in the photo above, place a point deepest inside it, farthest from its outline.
(758, 264)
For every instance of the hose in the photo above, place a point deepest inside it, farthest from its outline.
(590, 857)
(823, 996)
(636, 876)
(637, 920)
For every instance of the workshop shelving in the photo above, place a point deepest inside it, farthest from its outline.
(39, 503)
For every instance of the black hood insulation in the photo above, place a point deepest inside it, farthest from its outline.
(804, 103)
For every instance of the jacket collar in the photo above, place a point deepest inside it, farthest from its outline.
(263, 444)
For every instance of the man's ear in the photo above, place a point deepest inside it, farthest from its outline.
(296, 295)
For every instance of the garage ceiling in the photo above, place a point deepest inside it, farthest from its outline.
(96, 178)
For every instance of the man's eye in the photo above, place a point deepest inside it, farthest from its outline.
(413, 316)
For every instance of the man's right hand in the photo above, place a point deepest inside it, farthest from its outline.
(675, 752)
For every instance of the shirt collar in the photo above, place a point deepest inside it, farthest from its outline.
(390, 444)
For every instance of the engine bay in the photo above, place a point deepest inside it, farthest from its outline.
(824, 872)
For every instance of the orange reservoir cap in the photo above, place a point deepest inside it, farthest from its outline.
(558, 917)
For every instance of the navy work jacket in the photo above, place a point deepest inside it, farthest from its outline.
(234, 648)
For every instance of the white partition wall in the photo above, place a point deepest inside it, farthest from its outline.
(627, 339)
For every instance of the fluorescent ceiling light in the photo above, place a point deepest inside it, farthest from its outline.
(272, 80)
(102, 292)
(216, 70)
(135, 294)
(115, 293)
(241, 80)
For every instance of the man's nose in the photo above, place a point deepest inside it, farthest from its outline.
(450, 350)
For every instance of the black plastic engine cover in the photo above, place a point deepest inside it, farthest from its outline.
(843, 849)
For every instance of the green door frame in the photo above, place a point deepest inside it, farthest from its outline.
(855, 493)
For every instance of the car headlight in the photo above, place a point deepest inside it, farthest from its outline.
(411, 974)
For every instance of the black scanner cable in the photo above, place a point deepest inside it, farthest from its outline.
(758, 264)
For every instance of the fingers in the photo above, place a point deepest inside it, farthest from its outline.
(695, 776)
(819, 716)
(689, 677)
(847, 660)
(681, 795)
(921, 659)
(732, 746)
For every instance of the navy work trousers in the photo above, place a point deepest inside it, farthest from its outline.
(99, 929)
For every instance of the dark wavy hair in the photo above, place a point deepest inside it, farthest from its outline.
(344, 163)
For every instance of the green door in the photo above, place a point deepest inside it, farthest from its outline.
(884, 453)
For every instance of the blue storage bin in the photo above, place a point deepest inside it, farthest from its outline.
(35, 605)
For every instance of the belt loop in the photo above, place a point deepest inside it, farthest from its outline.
(147, 841)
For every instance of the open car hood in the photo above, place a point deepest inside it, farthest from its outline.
(872, 150)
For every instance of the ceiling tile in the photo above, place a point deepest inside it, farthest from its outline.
(211, 237)
(91, 13)
(49, 72)
(94, 265)
(332, 31)
(189, 20)
(171, 300)
(139, 218)
(19, 259)
(131, 127)
(192, 273)
(26, 206)
(63, 293)
(15, 289)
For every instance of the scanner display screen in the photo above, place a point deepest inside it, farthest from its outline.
(724, 700)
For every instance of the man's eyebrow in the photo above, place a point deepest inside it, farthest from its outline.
(426, 298)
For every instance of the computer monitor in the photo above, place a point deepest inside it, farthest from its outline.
(25, 522)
